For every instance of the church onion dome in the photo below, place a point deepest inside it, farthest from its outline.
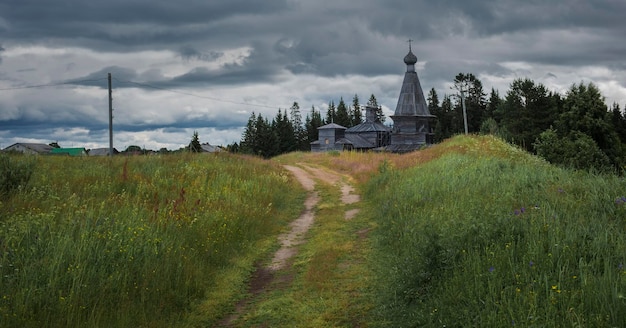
(410, 58)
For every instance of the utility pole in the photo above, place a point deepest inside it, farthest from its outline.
(110, 118)
(461, 87)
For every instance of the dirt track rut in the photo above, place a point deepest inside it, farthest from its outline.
(264, 276)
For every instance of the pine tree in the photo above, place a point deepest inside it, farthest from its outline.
(527, 110)
(619, 122)
(283, 129)
(356, 114)
(331, 113)
(379, 110)
(194, 145)
(313, 121)
(342, 116)
(433, 102)
(492, 105)
(446, 126)
(298, 128)
(247, 144)
(266, 141)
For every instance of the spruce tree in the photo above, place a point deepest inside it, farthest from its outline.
(283, 129)
(247, 144)
(313, 121)
(380, 116)
(331, 113)
(194, 145)
(266, 141)
(356, 114)
(342, 116)
(298, 127)
(527, 110)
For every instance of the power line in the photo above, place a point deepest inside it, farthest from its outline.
(51, 84)
(145, 85)
(195, 95)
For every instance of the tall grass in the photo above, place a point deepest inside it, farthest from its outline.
(131, 242)
(486, 235)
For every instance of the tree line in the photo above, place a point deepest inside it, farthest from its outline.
(576, 130)
(288, 132)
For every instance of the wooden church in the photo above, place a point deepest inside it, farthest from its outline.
(412, 128)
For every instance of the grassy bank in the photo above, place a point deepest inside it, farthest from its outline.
(482, 234)
(139, 241)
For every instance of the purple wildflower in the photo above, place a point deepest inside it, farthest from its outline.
(531, 263)
(492, 269)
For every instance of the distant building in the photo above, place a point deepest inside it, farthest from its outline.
(411, 129)
(371, 134)
(29, 148)
(69, 151)
(102, 152)
(207, 148)
(329, 138)
(412, 119)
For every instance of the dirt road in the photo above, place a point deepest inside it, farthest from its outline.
(266, 276)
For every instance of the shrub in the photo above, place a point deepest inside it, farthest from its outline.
(13, 174)
(576, 151)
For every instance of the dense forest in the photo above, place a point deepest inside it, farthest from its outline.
(576, 129)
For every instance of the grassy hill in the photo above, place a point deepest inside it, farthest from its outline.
(469, 232)
(483, 234)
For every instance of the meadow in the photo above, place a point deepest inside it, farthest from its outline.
(483, 234)
(471, 232)
(149, 241)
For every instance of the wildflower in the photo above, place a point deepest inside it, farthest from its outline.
(531, 263)
(516, 212)
(620, 266)
(492, 269)
(554, 287)
(561, 190)
(523, 209)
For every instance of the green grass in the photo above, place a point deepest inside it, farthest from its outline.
(139, 241)
(469, 232)
(486, 235)
(328, 280)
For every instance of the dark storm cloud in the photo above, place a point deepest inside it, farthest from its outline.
(142, 21)
(188, 52)
(190, 45)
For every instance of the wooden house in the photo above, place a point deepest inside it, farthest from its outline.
(29, 148)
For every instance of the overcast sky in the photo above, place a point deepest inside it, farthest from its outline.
(206, 65)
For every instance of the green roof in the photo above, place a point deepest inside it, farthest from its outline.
(69, 151)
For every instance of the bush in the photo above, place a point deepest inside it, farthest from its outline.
(576, 151)
(13, 174)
